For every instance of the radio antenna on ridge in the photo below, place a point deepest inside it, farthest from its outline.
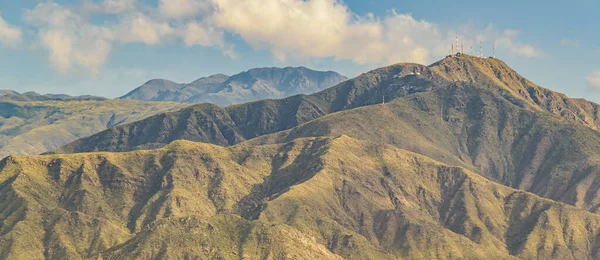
(457, 48)
(480, 50)
(494, 47)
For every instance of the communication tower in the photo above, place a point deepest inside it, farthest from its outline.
(457, 48)
(480, 50)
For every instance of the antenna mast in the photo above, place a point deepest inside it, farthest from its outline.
(457, 48)
(480, 50)
(494, 46)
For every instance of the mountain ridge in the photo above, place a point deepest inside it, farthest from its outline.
(237, 123)
(35, 127)
(31, 96)
(251, 85)
(465, 159)
(341, 196)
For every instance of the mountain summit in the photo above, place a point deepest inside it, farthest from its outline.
(254, 84)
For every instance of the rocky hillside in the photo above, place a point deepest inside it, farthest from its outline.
(312, 198)
(41, 126)
(251, 85)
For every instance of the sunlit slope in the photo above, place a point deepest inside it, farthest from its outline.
(310, 198)
(473, 128)
(37, 127)
(234, 124)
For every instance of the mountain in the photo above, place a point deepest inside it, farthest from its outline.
(498, 129)
(312, 198)
(237, 123)
(251, 85)
(9, 95)
(465, 159)
(34, 127)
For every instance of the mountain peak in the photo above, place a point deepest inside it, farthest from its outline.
(482, 71)
(159, 81)
(247, 86)
(466, 67)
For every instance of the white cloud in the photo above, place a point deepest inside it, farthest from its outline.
(72, 41)
(327, 28)
(296, 29)
(569, 43)
(9, 35)
(593, 79)
(507, 39)
(118, 6)
(109, 6)
(68, 38)
(138, 27)
(179, 9)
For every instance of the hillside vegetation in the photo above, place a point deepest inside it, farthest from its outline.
(465, 160)
(41, 126)
(315, 198)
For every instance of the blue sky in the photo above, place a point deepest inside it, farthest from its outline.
(108, 47)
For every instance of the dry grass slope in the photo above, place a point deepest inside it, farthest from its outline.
(41, 126)
(325, 198)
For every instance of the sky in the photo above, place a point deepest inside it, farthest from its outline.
(109, 47)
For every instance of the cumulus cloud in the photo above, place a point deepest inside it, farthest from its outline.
(179, 9)
(205, 35)
(72, 41)
(593, 79)
(289, 29)
(9, 35)
(69, 39)
(507, 39)
(109, 6)
(327, 28)
(138, 27)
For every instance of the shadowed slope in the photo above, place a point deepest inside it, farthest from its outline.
(234, 124)
(474, 128)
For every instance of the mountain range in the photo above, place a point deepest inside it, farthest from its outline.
(10, 95)
(32, 123)
(251, 85)
(461, 159)
(34, 127)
